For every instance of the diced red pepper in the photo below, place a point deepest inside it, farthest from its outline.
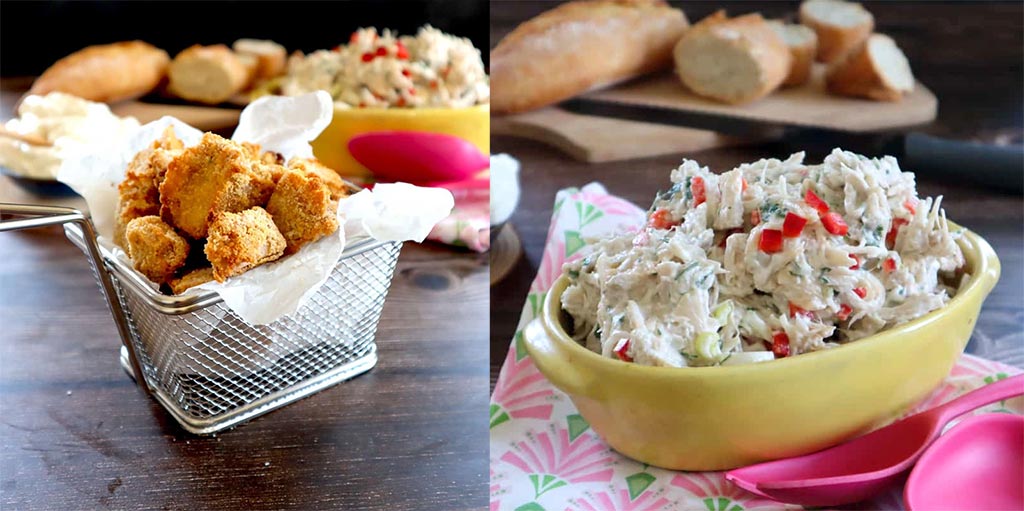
(889, 265)
(815, 202)
(433, 84)
(793, 225)
(353, 38)
(382, 51)
(412, 91)
(406, 73)
(795, 310)
(780, 344)
(699, 193)
(911, 205)
(755, 217)
(621, 351)
(894, 230)
(336, 48)
(744, 181)
(400, 102)
(856, 262)
(834, 223)
(770, 241)
(661, 219)
(401, 52)
(861, 292)
(367, 57)
(844, 312)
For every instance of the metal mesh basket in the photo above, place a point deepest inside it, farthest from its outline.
(211, 370)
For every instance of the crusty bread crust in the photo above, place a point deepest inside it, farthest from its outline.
(208, 74)
(270, 57)
(749, 33)
(859, 75)
(802, 54)
(107, 72)
(579, 46)
(835, 41)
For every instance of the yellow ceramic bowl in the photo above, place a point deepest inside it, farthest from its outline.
(331, 147)
(716, 418)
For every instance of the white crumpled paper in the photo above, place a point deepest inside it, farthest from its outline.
(391, 212)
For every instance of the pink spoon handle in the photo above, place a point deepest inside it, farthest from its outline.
(1002, 389)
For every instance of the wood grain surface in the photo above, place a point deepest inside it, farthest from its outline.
(78, 434)
(950, 45)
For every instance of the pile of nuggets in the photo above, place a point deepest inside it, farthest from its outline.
(219, 209)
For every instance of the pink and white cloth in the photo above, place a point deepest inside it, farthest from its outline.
(544, 456)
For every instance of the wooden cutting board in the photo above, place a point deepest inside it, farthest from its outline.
(601, 139)
(806, 106)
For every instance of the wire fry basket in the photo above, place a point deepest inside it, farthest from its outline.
(210, 369)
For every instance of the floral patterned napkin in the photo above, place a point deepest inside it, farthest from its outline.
(544, 456)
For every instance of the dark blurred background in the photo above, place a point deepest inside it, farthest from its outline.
(34, 34)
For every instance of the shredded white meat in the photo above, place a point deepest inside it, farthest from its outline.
(702, 284)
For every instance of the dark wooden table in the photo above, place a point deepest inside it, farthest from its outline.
(76, 433)
(969, 54)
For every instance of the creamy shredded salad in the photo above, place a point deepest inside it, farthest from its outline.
(380, 70)
(771, 259)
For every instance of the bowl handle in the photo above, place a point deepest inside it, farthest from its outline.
(555, 362)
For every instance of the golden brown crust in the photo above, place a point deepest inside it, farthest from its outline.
(215, 176)
(858, 75)
(327, 175)
(302, 209)
(106, 72)
(156, 250)
(208, 74)
(190, 280)
(835, 41)
(749, 33)
(138, 193)
(239, 242)
(579, 46)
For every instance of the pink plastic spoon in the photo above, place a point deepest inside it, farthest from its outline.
(417, 156)
(862, 467)
(979, 465)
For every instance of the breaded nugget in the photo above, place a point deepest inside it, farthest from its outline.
(302, 209)
(238, 242)
(190, 280)
(139, 193)
(156, 250)
(326, 174)
(215, 176)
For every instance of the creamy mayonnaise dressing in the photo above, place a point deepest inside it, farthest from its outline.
(69, 123)
(379, 70)
(771, 259)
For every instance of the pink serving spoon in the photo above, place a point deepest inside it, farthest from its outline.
(862, 467)
(417, 157)
(979, 465)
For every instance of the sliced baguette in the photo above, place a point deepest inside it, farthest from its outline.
(803, 46)
(270, 56)
(877, 69)
(208, 74)
(579, 46)
(841, 26)
(106, 72)
(733, 60)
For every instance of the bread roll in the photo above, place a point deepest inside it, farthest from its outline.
(840, 26)
(270, 56)
(208, 74)
(877, 69)
(803, 46)
(733, 60)
(579, 46)
(106, 72)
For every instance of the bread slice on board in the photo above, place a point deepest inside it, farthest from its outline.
(270, 56)
(579, 46)
(106, 72)
(209, 74)
(733, 60)
(803, 46)
(877, 69)
(840, 26)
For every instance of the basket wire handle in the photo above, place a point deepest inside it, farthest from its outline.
(32, 216)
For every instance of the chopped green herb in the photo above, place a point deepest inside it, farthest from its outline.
(574, 274)
(769, 209)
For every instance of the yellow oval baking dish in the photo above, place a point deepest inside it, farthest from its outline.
(717, 418)
(331, 147)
